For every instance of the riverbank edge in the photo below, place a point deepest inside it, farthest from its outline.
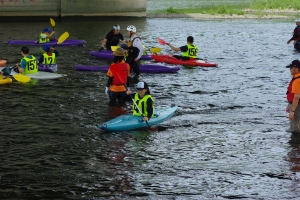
(249, 14)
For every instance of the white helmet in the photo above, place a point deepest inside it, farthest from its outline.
(116, 27)
(131, 28)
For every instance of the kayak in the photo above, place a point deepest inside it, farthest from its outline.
(45, 75)
(109, 55)
(143, 68)
(2, 62)
(39, 75)
(172, 60)
(47, 68)
(67, 42)
(5, 80)
(130, 122)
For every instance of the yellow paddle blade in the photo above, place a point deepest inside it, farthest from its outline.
(21, 78)
(52, 22)
(62, 38)
(113, 48)
(155, 50)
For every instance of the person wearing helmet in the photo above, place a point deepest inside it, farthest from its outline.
(189, 51)
(112, 38)
(46, 35)
(135, 51)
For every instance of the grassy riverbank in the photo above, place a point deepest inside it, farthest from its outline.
(244, 9)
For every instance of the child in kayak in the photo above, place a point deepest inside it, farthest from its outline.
(118, 77)
(28, 64)
(48, 59)
(46, 35)
(143, 104)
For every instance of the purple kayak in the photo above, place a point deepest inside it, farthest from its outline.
(143, 68)
(47, 68)
(109, 55)
(35, 42)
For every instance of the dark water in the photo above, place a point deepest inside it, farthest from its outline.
(229, 139)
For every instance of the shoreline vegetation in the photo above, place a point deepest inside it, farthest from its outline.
(256, 9)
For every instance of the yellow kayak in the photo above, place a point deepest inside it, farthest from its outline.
(5, 80)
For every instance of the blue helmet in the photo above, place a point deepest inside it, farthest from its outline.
(47, 30)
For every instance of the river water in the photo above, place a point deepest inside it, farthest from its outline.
(229, 139)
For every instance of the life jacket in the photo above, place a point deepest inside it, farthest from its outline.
(31, 65)
(43, 40)
(120, 73)
(134, 51)
(289, 94)
(142, 104)
(191, 52)
(49, 58)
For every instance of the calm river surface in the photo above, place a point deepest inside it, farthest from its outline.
(229, 139)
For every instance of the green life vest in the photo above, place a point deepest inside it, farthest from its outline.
(31, 65)
(142, 104)
(191, 52)
(43, 38)
(49, 59)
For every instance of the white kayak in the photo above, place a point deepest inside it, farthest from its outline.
(45, 75)
(40, 75)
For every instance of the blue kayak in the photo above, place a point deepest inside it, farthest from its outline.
(130, 122)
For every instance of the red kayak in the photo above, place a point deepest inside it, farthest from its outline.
(172, 60)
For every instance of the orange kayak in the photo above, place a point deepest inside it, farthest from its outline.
(2, 62)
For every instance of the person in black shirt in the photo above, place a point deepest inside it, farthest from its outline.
(296, 36)
(112, 38)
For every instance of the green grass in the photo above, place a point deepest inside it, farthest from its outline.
(257, 7)
(275, 4)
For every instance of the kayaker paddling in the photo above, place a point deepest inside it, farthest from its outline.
(189, 51)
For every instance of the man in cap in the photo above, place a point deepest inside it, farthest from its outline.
(46, 35)
(296, 35)
(112, 38)
(293, 96)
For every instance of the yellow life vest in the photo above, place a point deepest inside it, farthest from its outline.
(49, 59)
(31, 65)
(43, 38)
(191, 52)
(142, 104)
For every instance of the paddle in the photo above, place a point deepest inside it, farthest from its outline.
(52, 22)
(18, 77)
(62, 38)
(116, 73)
(155, 50)
(161, 41)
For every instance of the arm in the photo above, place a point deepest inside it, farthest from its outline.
(173, 48)
(56, 52)
(138, 44)
(149, 110)
(103, 42)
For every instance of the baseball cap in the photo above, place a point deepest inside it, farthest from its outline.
(297, 20)
(47, 30)
(141, 86)
(295, 63)
(46, 47)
